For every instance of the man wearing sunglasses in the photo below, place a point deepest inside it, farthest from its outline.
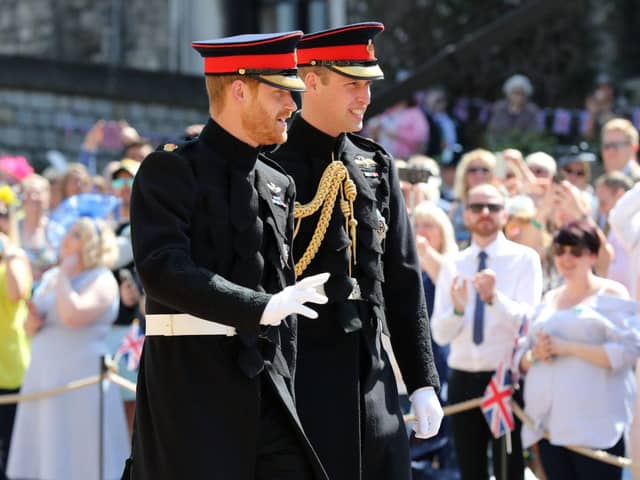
(475, 293)
(620, 147)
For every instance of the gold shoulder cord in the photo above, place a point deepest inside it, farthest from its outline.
(334, 178)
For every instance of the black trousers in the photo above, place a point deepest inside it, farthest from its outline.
(562, 464)
(280, 454)
(471, 434)
(7, 416)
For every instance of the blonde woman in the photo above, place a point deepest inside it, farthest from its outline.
(15, 285)
(76, 180)
(434, 242)
(475, 168)
(72, 311)
(36, 195)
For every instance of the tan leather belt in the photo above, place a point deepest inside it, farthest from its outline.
(176, 324)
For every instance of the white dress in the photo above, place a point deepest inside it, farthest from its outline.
(57, 438)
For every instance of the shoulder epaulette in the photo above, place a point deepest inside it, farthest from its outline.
(365, 143)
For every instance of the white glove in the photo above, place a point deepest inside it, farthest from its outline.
(429, 414)
(291, 299)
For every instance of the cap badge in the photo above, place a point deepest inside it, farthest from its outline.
(170, 147)
(241, 71)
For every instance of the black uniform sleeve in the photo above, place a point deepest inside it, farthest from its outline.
(404, 297)
(162, 204)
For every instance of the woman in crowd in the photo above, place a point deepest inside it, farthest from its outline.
(76, 180)
(515, 112)
(73, 309)
(33, 225)
(15, 286)
(475, 167)
(578, 356)
(434, 242)
(576, 169)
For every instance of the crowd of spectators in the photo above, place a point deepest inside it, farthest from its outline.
(68, 296)
(538, 248)
(558, 233)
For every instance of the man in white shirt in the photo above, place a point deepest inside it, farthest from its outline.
(475, 293)
(620, 148)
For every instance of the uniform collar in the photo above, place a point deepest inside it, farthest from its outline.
(234, 151)
(303, 134)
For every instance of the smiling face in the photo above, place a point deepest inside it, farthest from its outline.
(335, 103)
(264, 116)
(573, 262)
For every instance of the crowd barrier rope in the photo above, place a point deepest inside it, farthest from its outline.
(600, 455)
(111, 375)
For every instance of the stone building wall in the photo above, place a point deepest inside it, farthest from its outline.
(123, 32)
(34, 122)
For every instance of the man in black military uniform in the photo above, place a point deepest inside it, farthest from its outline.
(211, 232)
(345, 389)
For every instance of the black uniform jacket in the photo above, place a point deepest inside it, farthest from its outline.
(341, 369)
(211, 230)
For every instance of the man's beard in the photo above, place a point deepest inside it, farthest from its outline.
(262, 126)
(484, 228)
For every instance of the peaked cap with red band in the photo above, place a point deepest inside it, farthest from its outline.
(347, 50)
(269, 58)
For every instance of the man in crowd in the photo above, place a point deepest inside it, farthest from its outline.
(211, 230)
(345, 388)
(476, 295)
(620, 147)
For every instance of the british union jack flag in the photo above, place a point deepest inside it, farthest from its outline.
(131, 347)
(496, 403)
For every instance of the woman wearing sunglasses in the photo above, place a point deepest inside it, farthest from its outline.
(583, 341)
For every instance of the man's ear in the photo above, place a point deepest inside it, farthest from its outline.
(239, 91)
(311, 80)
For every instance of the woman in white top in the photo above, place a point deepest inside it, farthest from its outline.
(578, 356)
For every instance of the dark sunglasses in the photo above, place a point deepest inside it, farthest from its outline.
(483, 170)
(571, 171)
(616, 145)
(4, 213)
(479, 207)
(575, 250)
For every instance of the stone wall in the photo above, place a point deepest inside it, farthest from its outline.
(123, 32)
(33, 122)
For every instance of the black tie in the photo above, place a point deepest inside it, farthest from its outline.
(478, 313)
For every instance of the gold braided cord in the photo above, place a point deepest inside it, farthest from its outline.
(335, 179)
